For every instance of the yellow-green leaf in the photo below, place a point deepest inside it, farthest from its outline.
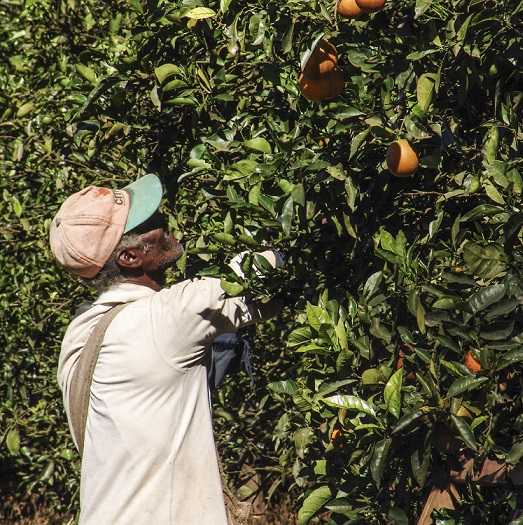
(199, 13)
(165, 71)
(424, 91)
(25, 109)
(88, 73)
(13, 441)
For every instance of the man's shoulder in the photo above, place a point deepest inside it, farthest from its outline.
(195, 294)
(192, 285)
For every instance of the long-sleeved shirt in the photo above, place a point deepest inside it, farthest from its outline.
(149, 453)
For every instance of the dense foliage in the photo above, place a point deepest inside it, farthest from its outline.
(362, 395)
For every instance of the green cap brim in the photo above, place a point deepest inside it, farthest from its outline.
(146, 195)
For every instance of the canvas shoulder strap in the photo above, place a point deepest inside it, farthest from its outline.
(80, 388)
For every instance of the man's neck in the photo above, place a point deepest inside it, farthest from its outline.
(154, 282)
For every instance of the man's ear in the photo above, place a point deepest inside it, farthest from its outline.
(130, 258)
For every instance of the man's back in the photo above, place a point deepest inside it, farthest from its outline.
(149, 454)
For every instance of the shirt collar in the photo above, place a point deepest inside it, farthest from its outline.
(124, 293)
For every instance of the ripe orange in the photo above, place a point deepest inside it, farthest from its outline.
(370, 5)
(326, 87)
(336, 434)
(402, 160)
(472, 363)
(323, 59)
(349, 9)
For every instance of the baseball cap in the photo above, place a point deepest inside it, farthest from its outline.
(91, 222)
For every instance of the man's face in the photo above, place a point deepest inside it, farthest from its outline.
(161, 248)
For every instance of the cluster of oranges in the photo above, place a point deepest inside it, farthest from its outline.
(321, 79)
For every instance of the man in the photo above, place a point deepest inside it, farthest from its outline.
(149, 456)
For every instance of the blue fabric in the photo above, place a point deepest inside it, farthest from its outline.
(229, 351)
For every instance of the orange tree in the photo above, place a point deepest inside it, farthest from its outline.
(363, 400)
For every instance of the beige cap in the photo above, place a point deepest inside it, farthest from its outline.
(89, 224)
(87, 229)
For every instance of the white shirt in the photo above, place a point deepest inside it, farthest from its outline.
(149, 454)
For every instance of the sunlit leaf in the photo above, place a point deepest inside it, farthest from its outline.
(313, 503)
(199, 13)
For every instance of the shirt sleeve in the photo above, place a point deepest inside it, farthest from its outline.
(198, 310)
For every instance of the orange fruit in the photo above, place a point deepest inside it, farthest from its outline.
(349, 9)
(370, 5)
(326, 87)
(323, 59)
(399, 361)
(472, 363)
(402, 160)
(336, 434)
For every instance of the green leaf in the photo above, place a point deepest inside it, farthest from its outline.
(13, 442)
(372, 284)
(445, 303)
(241, 169)
(511, 357)
(25, 109)
(486, 297)
(232, 289)
(350, 403)
(465, 431)
(425, 90)
(87, 73)
(341, 334)
(493, 192)
(407, 420)
(313, 503)
(357, 141)
(228, 224)
(199, 13)
(392, 393)
(465, 384)
(502, 308)
(299, 336)
(316, 315)
(462, 33)
(224, 5)
(327, 388)
(516, 453)
(155, 99)
(502, 332)
(342, 506)
(165, 71)
(448, 342)
(17, 206)
(225, 238)
(490, 147)
(286, 45)
(258, 144)
(287, 215)
(371, 376)
(420, 316)
(180, 101)
(421, 7)
(302, 438)
(298, 194)
(379, 459)
(287, 386)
